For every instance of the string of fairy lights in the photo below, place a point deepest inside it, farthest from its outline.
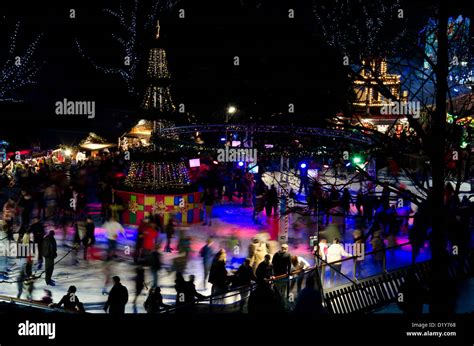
(18, 69)
(131, 38)
(153, 176)
(157, 95)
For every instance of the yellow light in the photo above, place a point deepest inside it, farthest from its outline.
(67, 152)
(231, 110)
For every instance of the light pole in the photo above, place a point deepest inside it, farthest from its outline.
(231, 110)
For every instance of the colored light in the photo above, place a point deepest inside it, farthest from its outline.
(326, 166)
(222, 139)
(215, 162)
(231, 110)
(303, 165)
(194, 163)
(241, 164)
(357, 159)
(348, 164)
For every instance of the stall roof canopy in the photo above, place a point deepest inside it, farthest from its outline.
(95, 142)
(143, 128)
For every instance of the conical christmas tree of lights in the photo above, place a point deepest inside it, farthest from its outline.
(157, 99)
(153, 174)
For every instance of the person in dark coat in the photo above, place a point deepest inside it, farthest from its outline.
(89, 239)
(139, 284)
(50, 253)
(207, 200)
(71, 301)
(271, 201)
(264, 270)
(413, 295)
(309, 300)
(243, 278)
(26, 205)
(155, 301)
(263, 301)
(207, 254)
(244, 275)
(282, 261)
(118, 298)
(186, 294)
(169, 229)
(154, 260)
(282, 266)
(139, 243)
(218, 276)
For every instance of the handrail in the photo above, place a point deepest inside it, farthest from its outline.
(368, 253)
(35, 304)
(237, 290)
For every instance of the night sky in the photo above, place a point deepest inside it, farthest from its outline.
(282, 61)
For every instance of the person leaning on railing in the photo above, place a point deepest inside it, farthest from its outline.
(334, 254)
(70, 301)
(264, 272)
(299, 264)
(242, 279)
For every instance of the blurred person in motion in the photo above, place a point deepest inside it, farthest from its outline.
(89, 240)
(9, 210)
(47, 298)
(26, 279)
(154, 260)
(207, 254)
(38, 231)
(256, 253)
(139, 242)
(207, 200)
(321, 257)
(113, 229)
(139, 285)
(169, 230)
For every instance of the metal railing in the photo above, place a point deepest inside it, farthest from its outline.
(33, 304)
(232, 301)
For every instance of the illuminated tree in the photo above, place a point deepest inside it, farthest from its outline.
(361, 31)
(18, 65)
(135, 23)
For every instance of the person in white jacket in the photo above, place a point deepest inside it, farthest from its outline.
(335, 253)
(113, 229)
(298, 265)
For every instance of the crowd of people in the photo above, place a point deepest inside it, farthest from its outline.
(40, 198)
